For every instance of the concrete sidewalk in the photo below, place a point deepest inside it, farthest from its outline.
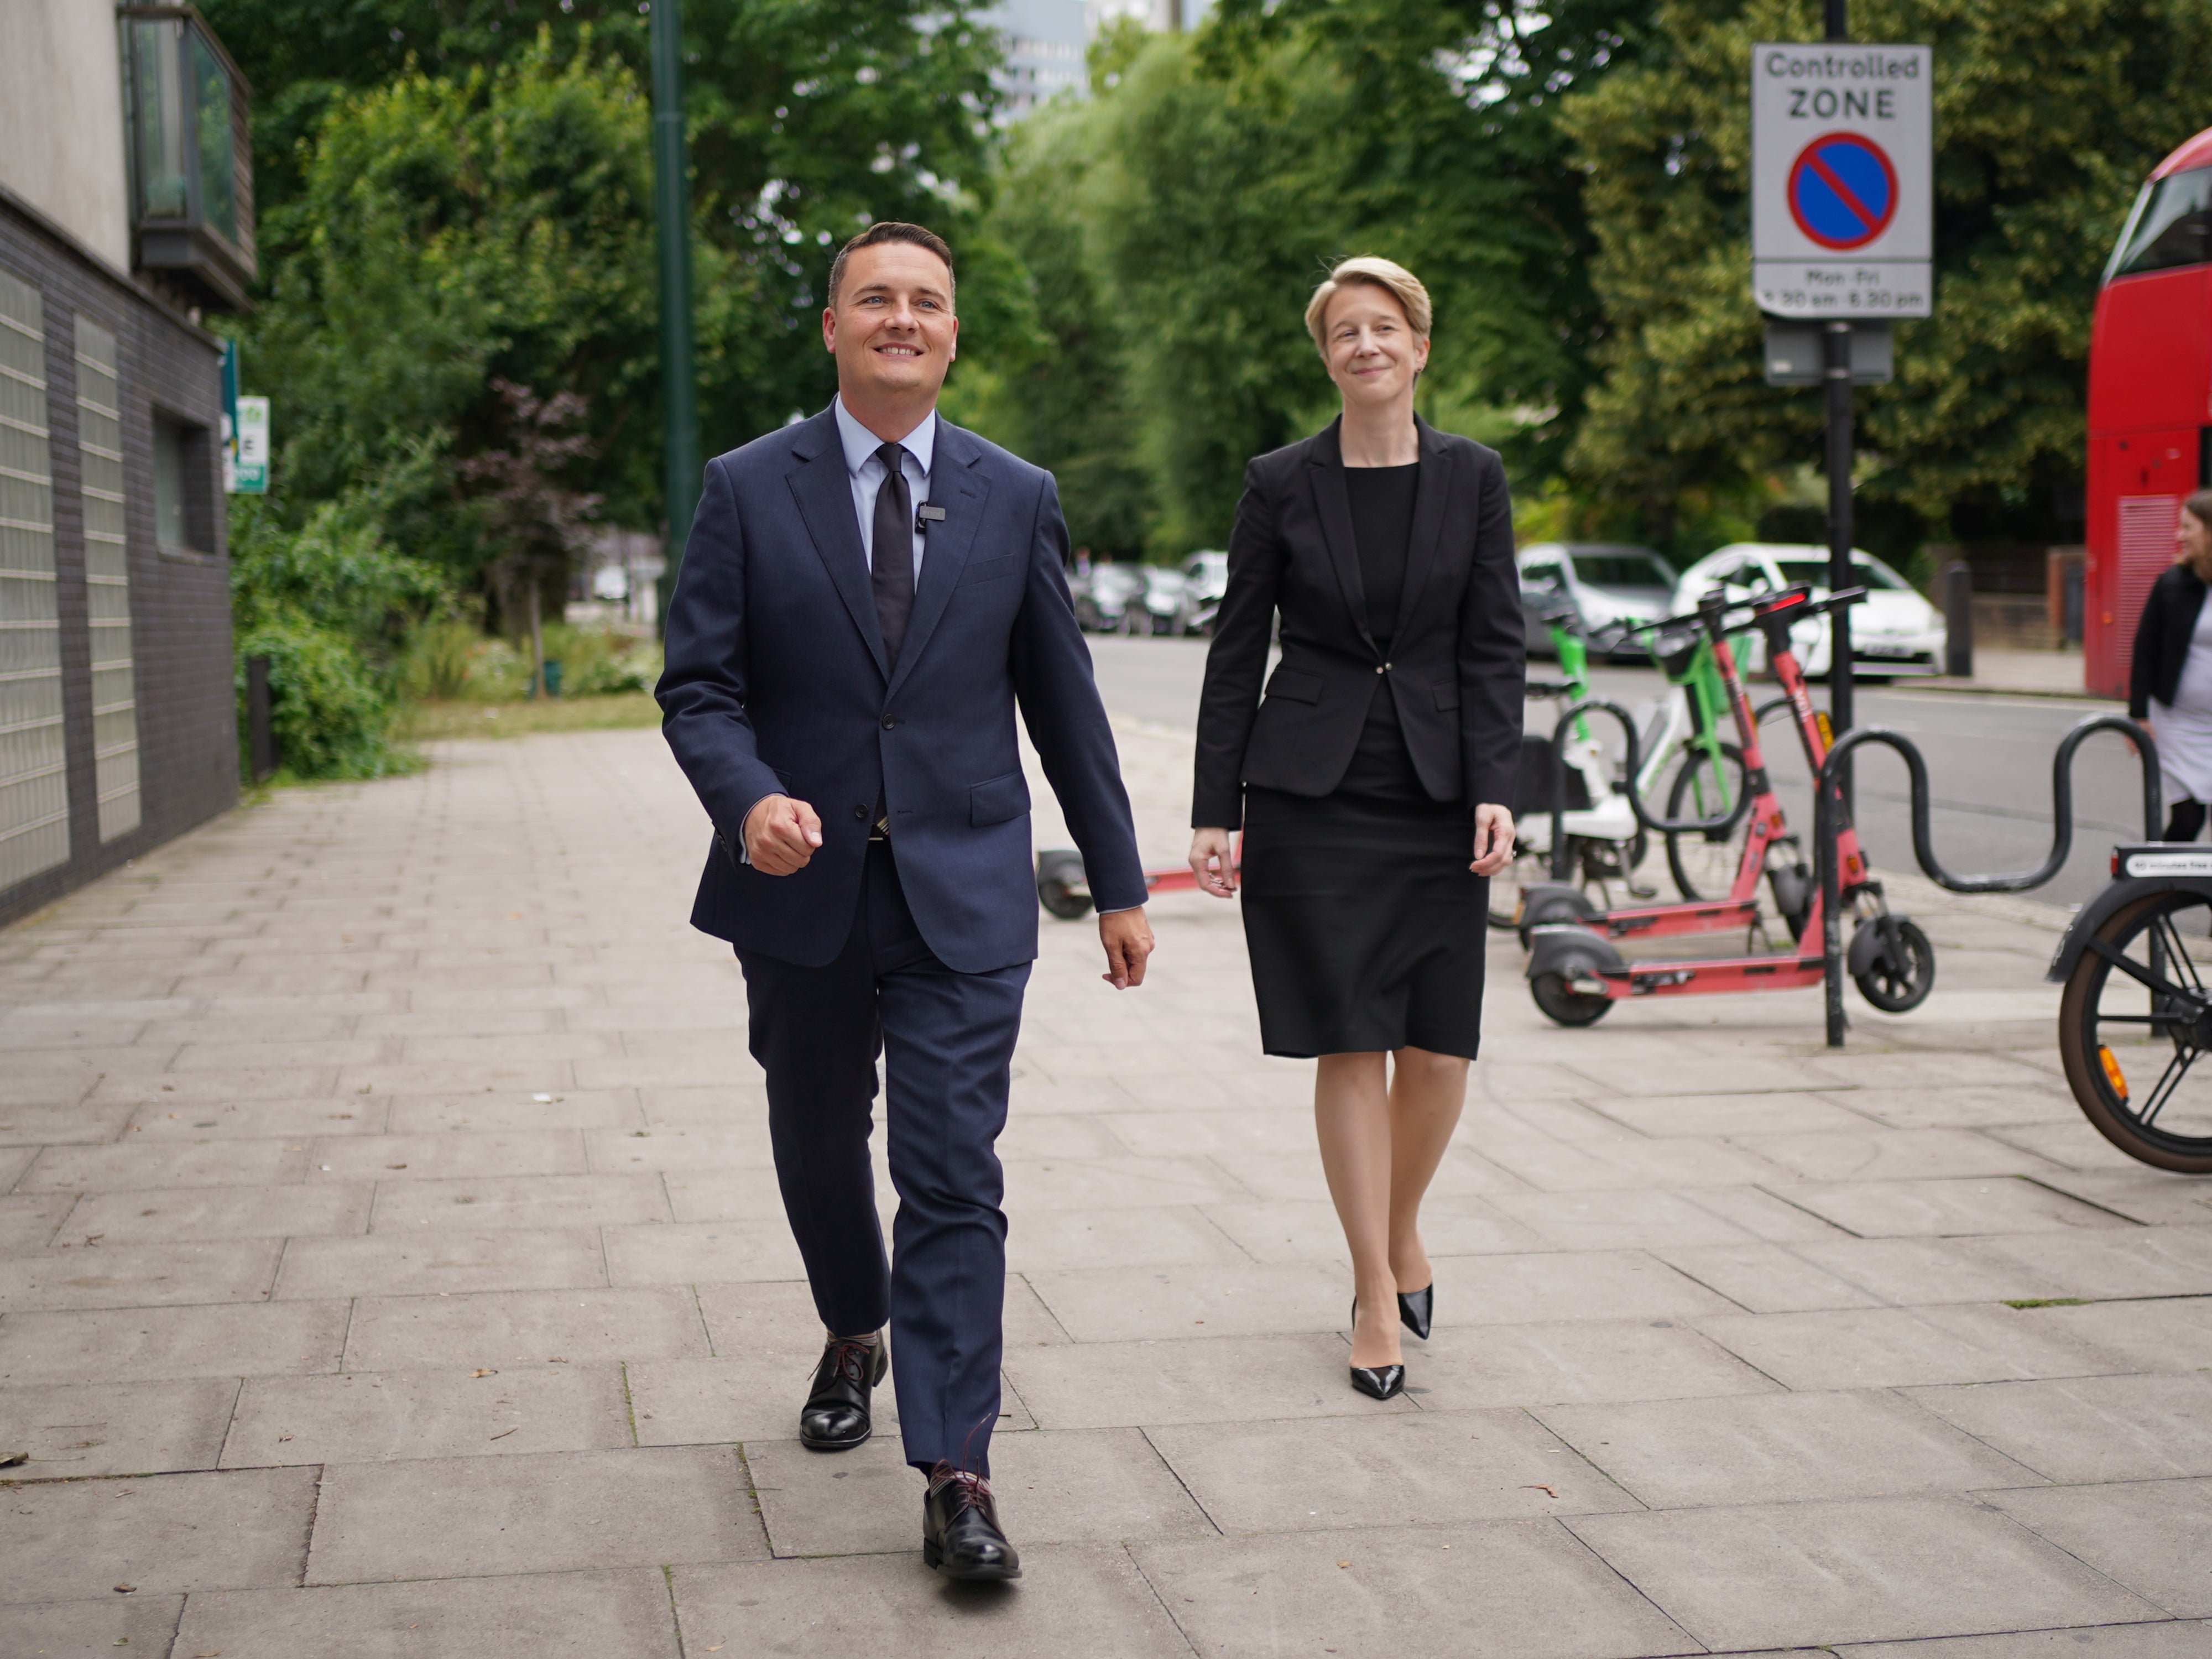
(393, 1267)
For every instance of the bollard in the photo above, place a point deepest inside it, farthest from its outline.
(1958, 590)
(260, 727)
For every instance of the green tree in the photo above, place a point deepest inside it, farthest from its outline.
(1175, 227)
(2048, 114)
(449, 234)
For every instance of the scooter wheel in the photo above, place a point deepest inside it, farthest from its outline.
(1059, 885)
(1897, 988)
(1561, 1002)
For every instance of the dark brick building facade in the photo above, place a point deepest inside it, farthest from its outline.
(178, 597)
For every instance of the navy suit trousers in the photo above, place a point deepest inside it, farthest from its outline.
(947, 1040)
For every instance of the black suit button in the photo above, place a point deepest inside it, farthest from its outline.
(861, 813)
(889, 722)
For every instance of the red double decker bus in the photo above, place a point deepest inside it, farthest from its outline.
(2150, 403)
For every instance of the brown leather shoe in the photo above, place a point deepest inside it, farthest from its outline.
(835, 1417)
(960, 1534)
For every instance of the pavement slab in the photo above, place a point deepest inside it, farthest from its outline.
(594, 1614)
(2149, 1535)
(390, 1264)
(472, 1518)
(82, 1630)
(1790, 1575)
(1525, 1590)
(241, 1529)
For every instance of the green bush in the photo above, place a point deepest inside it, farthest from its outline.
(599, 662)
(334, 608)
(331, 717)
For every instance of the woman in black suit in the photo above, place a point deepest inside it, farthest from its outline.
(1370, 780)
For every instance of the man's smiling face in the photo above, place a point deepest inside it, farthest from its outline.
(892, 327)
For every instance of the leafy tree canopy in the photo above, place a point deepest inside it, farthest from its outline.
(2048, 114)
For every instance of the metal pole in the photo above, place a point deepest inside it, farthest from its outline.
(1836, 14)
(671, 209)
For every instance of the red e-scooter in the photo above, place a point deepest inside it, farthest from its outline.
(1575, 973)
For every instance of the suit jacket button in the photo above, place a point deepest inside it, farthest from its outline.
(861, 813)
(889, 722)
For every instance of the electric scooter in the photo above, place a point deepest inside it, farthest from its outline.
(1576, 974)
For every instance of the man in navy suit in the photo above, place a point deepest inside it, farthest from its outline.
(866, 598)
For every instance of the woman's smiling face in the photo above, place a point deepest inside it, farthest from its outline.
(1372, 354)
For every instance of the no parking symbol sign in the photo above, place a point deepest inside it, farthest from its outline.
(1841, 189)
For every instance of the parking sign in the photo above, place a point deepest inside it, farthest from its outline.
(1841, 185)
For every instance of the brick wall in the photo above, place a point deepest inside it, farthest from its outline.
(180, 603)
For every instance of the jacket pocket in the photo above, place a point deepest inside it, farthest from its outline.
(998, 800)
(988, 570)
(1447, 695)
(1295, 685)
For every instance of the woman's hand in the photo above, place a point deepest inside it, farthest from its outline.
(1210, 861)
(1494, 838)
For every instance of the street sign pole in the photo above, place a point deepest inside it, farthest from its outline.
(1842, 240)
(1839, 366)
(672, 203)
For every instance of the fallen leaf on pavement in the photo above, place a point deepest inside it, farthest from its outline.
(124, 1589)
(9, 1460)
(485, 1373)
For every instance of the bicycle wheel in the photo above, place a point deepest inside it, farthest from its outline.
(1704, 862)
(2134, 1022)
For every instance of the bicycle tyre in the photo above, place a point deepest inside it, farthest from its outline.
(2091, 1066)
(1698, 869)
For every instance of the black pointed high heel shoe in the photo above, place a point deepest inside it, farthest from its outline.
(1377, 1382)
(1415, 1308)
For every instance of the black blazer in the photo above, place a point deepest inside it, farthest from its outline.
(1458, 655)
(2162, 636)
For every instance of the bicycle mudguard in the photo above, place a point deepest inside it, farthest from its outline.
(1564, 949)
(2137, 869)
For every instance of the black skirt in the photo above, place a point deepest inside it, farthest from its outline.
(1365, 927)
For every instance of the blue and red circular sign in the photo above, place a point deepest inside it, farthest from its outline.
(1842, 191)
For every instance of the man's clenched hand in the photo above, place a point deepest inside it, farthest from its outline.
(781, 835)
(1127, 938)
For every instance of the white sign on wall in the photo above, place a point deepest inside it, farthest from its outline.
(1842, 184)
(251, 477)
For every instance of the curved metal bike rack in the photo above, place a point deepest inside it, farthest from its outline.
(1828, 824)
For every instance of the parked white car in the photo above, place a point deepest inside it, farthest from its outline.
(1605, 584)
(1895, 631)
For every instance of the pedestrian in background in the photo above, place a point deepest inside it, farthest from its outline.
(866, 598)
(1369, 779)
(2170, 679)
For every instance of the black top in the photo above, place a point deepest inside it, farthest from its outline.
(1382, 525)
(1458, 650)
(2162, 636)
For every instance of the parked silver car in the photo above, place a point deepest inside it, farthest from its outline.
(1606, 584)
(1205, 579)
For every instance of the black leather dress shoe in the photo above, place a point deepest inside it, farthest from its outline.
(960, 1534)
(835, 1416)
(1414, 1308)
(1379, 1381)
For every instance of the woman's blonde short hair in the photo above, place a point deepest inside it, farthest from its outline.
(1386, 274)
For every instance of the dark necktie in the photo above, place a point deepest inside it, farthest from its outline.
(893, 574)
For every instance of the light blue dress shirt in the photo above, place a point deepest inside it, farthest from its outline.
(867, 474)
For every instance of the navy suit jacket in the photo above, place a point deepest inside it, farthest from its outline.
(776, 683)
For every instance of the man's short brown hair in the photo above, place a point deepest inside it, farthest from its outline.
(888, 230)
